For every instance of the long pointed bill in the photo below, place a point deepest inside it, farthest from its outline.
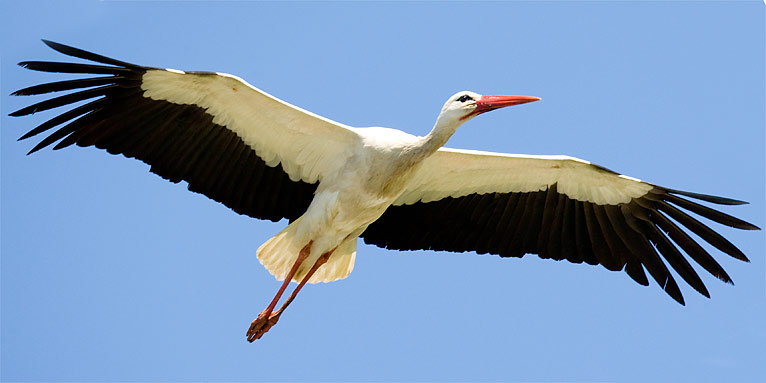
(487, 103)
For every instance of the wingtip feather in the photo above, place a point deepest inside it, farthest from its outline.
(36, 148)
(708, 198)
(85, 55)
(25, 136)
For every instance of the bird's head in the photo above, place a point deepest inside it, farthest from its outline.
(465, 105)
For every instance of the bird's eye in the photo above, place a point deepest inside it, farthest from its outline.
(465, 98)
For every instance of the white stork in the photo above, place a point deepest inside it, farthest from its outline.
(270, 160)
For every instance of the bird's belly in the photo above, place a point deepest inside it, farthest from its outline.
(356, 198)
(335, 216)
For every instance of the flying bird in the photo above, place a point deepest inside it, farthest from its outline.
(334, 183)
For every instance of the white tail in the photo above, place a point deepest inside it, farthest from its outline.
(279, 253)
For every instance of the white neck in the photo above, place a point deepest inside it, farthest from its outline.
(428, 145)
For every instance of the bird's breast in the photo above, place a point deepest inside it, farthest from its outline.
(360, 193)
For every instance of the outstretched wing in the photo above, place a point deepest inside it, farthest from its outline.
(558, 207)
(230, 141)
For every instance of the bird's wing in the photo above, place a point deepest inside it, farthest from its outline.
(558, 207)
(230, 141)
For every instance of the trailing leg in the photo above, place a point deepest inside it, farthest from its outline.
(266, 320)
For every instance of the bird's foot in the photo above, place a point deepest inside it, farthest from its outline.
(262, 324)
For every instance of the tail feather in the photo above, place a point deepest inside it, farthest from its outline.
(279, 253)
(339, 265)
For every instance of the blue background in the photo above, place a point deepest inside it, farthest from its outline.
(111, 273)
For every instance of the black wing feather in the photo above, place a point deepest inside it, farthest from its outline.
(634, 236)
(59, 67)
(65, 85)
(711, 214)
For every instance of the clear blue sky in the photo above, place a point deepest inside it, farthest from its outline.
(111, 273)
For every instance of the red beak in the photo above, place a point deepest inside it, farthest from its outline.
(487, 103)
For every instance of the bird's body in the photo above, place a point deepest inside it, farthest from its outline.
(373, 173)
(346, 201)
(270, 160)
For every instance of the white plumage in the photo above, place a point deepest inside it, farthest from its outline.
(268, 159)
(306, 144)
(456, 173)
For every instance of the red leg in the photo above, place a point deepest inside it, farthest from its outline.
(271, 318)
(261, 324)
(321, 261)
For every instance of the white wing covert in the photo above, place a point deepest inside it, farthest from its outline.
(455, 173)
